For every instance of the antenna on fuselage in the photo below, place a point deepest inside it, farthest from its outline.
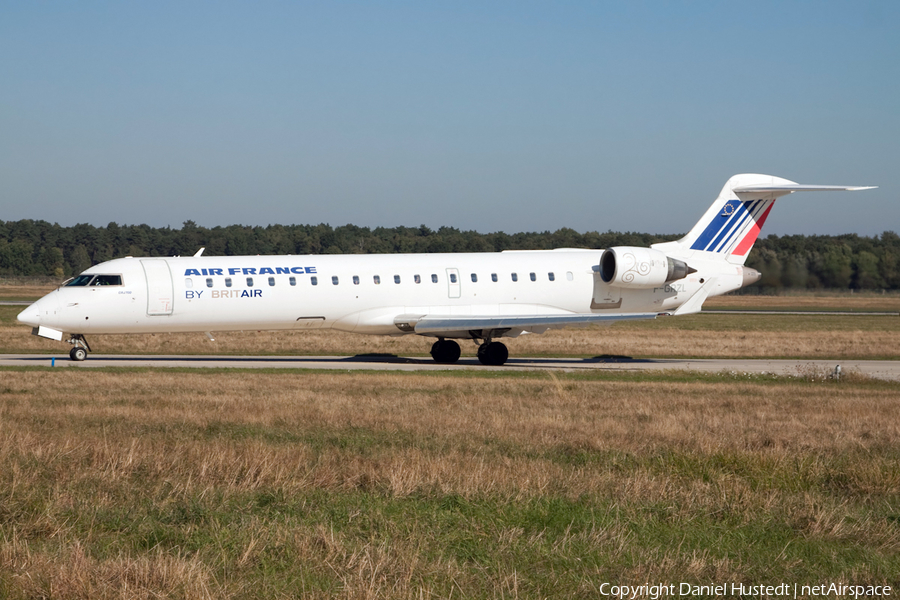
(199, 252)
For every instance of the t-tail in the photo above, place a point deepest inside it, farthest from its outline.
(732, 224)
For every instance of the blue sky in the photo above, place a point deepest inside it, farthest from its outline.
(497, 116)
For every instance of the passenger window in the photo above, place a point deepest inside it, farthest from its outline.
(532, 276)
(452, 277)
(474, 278)
(249, 282)
(569, 275)
(515, 276)
(551, 276)
(334, 280)
(433, 278)
(188, 283)
(292, 280)
(314, 280)
(396, 279)
(494, 277)
(107, 280)
(209, 282)
(228, 282)
(356, 280)
(417, 279)
(377, 279)
(271, 281)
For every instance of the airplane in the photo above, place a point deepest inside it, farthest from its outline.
(479, 296)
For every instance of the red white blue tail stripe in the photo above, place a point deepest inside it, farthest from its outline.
(735, 228)
(730, 227)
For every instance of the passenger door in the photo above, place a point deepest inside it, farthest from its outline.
(160, 292)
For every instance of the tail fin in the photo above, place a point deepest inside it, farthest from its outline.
(730, 226)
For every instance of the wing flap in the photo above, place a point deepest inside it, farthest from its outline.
(437, 325)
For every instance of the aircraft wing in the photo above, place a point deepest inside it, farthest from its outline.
(440, 325)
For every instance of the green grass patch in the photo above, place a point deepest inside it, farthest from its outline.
(455, 483)
(267, 543)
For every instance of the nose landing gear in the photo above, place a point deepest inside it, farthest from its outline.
(81, 347)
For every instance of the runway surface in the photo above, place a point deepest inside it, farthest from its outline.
(889, 370)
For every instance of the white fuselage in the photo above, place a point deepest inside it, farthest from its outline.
(355, 293)
(482, 296)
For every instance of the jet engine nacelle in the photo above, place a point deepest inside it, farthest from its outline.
(631, 267)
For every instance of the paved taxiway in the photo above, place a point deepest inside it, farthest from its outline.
(882, 369)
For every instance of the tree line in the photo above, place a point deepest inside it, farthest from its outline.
(29, 248)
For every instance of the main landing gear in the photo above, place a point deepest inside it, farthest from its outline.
(492, 353)
(446, 352)
(80, 350)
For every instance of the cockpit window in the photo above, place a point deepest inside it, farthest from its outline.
(79, 281)
(94, 280)
(107, 280)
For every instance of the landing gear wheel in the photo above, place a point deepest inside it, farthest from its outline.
(80, 348)
(445, 352)
(492, 353)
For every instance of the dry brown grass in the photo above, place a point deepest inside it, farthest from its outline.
(70, 573)
(624, 415)
(77, 446)
(827, 301)
(16, 289)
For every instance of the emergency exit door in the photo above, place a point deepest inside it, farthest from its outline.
(453, 283)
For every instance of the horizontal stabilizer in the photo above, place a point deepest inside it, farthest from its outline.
(799, 187)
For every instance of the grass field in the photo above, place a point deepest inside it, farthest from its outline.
(229, 484)
(21, 289)
(829, 302)
(129, 483)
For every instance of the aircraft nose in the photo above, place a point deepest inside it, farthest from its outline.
(31, 315)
